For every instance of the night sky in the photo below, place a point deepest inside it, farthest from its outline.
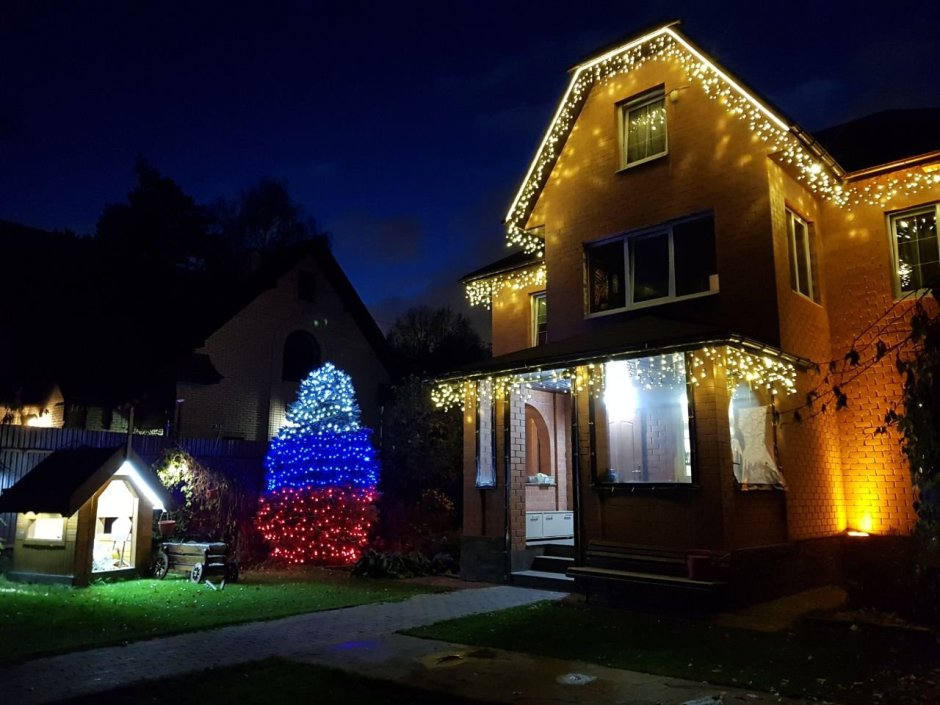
(402, 128)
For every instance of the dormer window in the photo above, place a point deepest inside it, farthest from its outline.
(539, 319)
(643, 128)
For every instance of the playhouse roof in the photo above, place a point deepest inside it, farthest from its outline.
(68, 478)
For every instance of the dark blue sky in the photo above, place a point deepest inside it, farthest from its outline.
(403, 128)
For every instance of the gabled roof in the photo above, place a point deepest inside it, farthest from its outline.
(886, 137)
(68, 478)
(517, 260)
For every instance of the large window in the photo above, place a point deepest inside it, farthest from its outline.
(645, 418)
(643, 128)
(539, 319)
(653, 266)
(753, 452)
(916, 252)
(802, 256)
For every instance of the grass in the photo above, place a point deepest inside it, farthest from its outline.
(839, 665)
(268, 680)
(45, 619)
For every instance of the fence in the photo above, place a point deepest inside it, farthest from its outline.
(23, 447)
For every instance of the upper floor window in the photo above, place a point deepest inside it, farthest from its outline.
(539, 319)
(643, 128)
(915, 245)
(802, 256)
(653, 266)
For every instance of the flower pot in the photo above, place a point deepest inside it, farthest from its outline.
(167, 527)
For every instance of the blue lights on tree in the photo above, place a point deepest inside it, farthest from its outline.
(322, 474)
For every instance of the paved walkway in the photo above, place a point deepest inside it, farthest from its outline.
(363, 640)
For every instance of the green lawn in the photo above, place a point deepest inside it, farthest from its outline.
(840, 665)
(43, 619)
(271, 681)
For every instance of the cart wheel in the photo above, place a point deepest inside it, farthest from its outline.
(196, 573)
(161, 564)
(231, 572)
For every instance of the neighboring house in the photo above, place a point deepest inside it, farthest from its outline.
(222, 359)
(297, 312)
(687, 251)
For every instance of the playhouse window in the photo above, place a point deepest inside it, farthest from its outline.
(645, 419)
(47, 530)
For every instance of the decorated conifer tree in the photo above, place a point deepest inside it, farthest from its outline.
(319, 501)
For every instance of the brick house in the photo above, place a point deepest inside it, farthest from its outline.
(686, 254)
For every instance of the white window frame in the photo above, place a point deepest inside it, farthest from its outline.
(534, 299)
(630, 304)
(796, 276)
(623, 122)
(895, 255)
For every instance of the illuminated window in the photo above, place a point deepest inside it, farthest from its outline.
(643, 128)
(644, 419)
(539, 319)
(661, 264)
(753, 446)
(802, 256)
(916, 252)
(46, 530)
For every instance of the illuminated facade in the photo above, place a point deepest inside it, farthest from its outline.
(694, 261)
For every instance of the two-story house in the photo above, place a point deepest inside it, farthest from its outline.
(687, 253)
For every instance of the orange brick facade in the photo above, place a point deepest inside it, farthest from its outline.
(839, 474)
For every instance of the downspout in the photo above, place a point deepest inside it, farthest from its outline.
(576, 477)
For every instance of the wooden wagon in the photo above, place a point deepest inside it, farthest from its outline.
(198, 560)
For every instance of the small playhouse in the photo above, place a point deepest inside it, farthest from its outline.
(84, 513)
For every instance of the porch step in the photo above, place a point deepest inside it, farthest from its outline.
(560, 550)
(542, 580)
(654, 591)
(552, 564)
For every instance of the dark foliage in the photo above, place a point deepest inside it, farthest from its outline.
(427, 341)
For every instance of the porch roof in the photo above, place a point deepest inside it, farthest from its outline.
(67, 478)
(645, 335)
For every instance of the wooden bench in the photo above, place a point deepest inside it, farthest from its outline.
(650, 574)
(198, 560)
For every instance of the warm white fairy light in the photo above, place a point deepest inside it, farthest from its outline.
(480, 292)
(669, 370)
(665, 44)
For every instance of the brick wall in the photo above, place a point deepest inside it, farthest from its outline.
(512, 319)
(714, 164)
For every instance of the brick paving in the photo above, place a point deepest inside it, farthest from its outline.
(53, 678)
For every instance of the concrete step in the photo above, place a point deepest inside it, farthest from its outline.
(552, 564)
(542, 580)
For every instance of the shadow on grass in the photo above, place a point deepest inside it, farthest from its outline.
(269, 681)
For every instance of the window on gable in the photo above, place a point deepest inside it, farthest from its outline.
(802, 257)
(916, 250)
(643, 128)
(654, 266)
(539, 319)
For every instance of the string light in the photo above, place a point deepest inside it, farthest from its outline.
(669, 370)
(481, 291)
(322, 474)
(667, 45)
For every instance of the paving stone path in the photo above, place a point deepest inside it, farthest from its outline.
(56, 677)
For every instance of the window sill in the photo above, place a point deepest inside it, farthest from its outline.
(627, 167)
(529, 483)
(648, 487)
(43, 543)
(652, 304)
